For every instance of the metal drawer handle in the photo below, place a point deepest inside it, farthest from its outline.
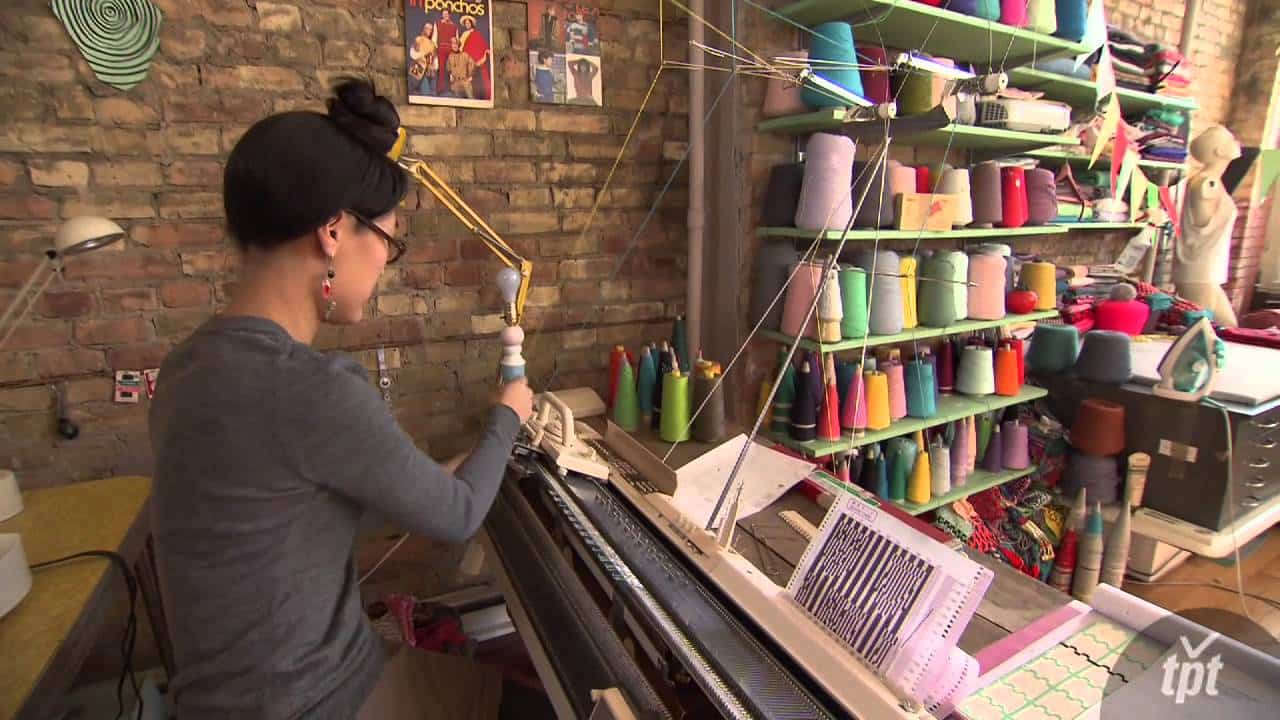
(1266, 444)
(1266, 425)
(1259, 463)
(1251, 501)
(1255, 482)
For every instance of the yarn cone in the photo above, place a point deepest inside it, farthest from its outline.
(1089, 557)
(920, 485)
(830, 308)
(817, 385)
(960, 454)
(854, 413)
(617, 358)
(804, 411)
(1115, 558)
(829, 418)
(993, 460)
(845, 372)
(665, 362)
(783, 400)
(647, 378)
(626, 405)
(762, 399)
(1064, 563)
(680, 341)
(708, 424)
(675, 409)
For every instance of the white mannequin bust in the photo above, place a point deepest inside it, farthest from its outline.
(1202, 254)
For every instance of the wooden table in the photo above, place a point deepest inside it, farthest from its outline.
(44, 640)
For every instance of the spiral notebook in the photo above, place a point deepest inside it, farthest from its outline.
(896, 598)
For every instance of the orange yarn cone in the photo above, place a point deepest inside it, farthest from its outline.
(1007, 371)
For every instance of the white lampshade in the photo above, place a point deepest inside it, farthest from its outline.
(83, 234)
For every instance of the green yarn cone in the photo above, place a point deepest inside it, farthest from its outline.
(782, 400)
(626, 404)
(675, 407)
(853, 294)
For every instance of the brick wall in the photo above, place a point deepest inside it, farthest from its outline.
(1215, 45)
(152, 159)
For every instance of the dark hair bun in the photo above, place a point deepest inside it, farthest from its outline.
(362, 113)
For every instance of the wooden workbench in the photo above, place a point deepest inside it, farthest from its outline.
(44, 640)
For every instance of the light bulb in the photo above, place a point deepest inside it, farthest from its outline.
(508, 284)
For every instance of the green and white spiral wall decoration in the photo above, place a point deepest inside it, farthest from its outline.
(118, 38)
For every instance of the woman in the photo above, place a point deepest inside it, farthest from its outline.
(267, 452)
(474, 44)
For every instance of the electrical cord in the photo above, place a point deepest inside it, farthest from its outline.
(131, 625)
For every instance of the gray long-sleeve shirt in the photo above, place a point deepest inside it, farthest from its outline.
(267, 452)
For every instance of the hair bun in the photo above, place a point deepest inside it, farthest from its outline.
(362, 113)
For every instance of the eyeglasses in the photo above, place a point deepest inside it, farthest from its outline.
(395, 245)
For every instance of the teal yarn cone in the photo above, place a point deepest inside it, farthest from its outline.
(937, 303)
(833, 42)
(845, 371)
(853, 294)
(921, 401)
(626, 406)
(680, 343)
(902, 460)
(647, 377)
(1054, 348)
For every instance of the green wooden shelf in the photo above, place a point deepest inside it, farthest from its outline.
(916, 26)
(916, 333)
(978, 481)
(1058, 156)
(950, 409)
(1104, 226)
(1083, 93)
(888, 234)
(959, 137)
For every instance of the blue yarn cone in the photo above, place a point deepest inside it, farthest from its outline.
(648, 376)
(1073, 15)
(833, 41)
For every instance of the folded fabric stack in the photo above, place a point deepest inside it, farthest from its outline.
(1161, 134)
(1150, 67)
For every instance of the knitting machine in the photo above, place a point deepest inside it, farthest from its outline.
(710, 631)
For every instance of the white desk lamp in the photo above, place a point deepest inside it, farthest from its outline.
(74, 237)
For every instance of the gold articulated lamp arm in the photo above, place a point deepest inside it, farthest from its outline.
(449, 198)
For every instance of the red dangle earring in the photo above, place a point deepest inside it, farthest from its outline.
(326, 291)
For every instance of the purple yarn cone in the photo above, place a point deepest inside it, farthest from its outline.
(993, 461)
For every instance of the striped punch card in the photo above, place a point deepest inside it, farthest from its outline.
(897, 599)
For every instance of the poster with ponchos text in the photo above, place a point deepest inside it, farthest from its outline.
(449, 52)
(564, 53)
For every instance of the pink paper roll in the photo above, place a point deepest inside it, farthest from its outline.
(800, 295)
(1016, 455)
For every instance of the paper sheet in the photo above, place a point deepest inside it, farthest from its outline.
(765, 476)
(1109, 124)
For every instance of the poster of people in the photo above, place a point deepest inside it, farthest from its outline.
(449, 58)
(564, 53)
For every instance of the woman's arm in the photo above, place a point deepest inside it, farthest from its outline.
(343, 436)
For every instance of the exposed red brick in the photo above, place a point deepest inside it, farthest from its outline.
(137, 356)
(128, 300)
(185, 293)
(66, 303)
(104, 332)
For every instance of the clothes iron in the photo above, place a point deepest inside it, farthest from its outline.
(1188, 370)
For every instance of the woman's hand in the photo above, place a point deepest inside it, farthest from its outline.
(517, 396)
